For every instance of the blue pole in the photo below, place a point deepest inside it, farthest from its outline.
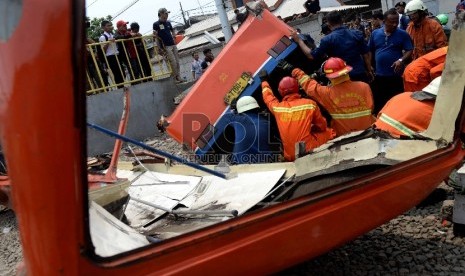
(162, 153)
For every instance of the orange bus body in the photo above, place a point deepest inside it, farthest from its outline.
(246, 52)
(43, 134)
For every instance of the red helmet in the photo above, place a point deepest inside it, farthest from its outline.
(336, 67)
(288, 85)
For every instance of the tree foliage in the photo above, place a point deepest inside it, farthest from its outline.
(94, 31)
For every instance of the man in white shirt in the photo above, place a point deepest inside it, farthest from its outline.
(111, 52)
(196, 66)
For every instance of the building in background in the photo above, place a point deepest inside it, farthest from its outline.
(195, 39)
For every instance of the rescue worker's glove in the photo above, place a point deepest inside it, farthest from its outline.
(285, 66)
(263, 75)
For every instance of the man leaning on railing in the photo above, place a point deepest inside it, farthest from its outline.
(111, 52)
(142, 55)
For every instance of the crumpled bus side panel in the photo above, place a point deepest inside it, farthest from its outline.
(246, 52)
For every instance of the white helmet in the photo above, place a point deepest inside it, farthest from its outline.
(433, 87)
(246, 103)
(414, 6)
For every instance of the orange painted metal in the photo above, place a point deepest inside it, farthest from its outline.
(4, 180)
(43, 135)
(41, 104)
(4, 190)
(205, 102)
(96, 180)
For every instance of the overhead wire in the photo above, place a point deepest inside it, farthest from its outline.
(125, 9)
(91, 4)
(174, 18)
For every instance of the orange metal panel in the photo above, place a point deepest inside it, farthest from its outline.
(287, 234)
(40, 137)
(43, 137)
(246, 52)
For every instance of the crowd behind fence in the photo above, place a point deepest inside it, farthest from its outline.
(139, 60)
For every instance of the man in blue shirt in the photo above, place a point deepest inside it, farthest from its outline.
(343, 43)
(164, 34)
(391, 46)
(252, 142)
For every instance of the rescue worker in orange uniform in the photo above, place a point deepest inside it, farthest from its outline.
(408, 113)
(421, 71)
(298, 119)
(427, 34)
(350, 103)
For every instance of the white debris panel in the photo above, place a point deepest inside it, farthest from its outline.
(240, 193)
(105, 229)
(164, 190)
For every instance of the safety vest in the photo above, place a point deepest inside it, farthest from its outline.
(350, 104)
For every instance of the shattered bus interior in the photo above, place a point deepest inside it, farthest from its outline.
(181, 218)
(208, 200)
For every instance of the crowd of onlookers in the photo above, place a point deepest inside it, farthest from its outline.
(381, 47)
(381, 73)
(386, 79)
(129, 59)
(124, 52)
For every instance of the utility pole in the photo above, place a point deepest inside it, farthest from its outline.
(183, 17)
(224, 20)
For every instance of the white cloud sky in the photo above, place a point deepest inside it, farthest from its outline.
(145, 12)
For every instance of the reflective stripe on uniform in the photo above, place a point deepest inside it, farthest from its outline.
(351, 115)
(303, 79)
(266, 89)
(294, 108)
(397, 125)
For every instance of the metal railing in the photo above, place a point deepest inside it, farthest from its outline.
(137, 61)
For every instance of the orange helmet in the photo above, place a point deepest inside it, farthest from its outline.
(288, 85)
(336, 67)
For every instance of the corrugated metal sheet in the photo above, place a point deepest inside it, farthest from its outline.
(209, 24)
(197, 40)
(329, 3)
(342, 8)
(289, 8)
(194, 34)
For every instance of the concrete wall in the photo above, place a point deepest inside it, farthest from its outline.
(448, 7)
(148, 102)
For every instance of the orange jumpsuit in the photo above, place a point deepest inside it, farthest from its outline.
(350, 103)
(404, 116)
(419, 73)
(428, 36)
(298, 119)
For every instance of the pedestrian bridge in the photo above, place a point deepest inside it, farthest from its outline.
(139, 60)
(147, 74)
